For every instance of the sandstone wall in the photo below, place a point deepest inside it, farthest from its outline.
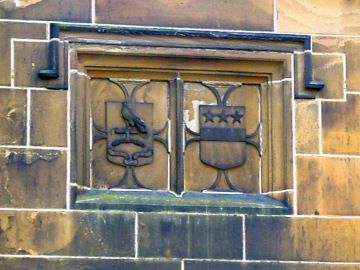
(39, 231)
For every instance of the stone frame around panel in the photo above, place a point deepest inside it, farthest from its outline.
(273, 75)
(260, 49)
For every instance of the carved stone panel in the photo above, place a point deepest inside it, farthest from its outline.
(223, 124)
(169, 125)
(129, 134)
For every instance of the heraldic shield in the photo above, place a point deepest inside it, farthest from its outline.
(129, 133)
(223, 139)
(129, 143)
(129, 128)
(222, 136)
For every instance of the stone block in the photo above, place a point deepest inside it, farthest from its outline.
(67, 233)
(240, 14)
(226, 265)
(12, 117)
(328, 44)
(48, 118)
(10, 30)
(348, 45)
(307, 127)
(328, 186)
(277, 138)
(319, 16)
(30, 58)
(87, 264)
(32, 178)
(329, 69)
(54, 10)
(303, 238)
(341, 126)
(352, 48)
(190, 236)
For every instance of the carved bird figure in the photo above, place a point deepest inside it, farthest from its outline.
(132, 119)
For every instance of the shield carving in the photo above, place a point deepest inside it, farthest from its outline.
(129, 144)
(222, 136)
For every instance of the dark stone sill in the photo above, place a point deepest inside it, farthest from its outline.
(191, 202)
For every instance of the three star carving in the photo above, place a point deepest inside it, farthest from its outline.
(223, 117)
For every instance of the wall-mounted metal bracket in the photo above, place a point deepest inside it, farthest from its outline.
(52, 72)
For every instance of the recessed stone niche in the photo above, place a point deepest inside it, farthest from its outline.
(167, 128)
(196, 124)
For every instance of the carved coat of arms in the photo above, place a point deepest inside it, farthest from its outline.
(129, 137)
(129, 134)
(223, 136)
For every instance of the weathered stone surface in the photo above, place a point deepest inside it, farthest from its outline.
(213, 265)
(319, 16)
(352, 48)
(15, 30)
(303, 238)
(87, 264)
(341, 126)
(30, 58)
(190, 202)
(32, 178)
(48, 118)
(287, 197)
(277, 139)
(67, 233)
(54, 10)
(139, 264)
(349, 46)
(190, 236)
(328, 44)
(307, 127)
(328, 186)
(201, 13)
(12, 117)
(329, 69)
